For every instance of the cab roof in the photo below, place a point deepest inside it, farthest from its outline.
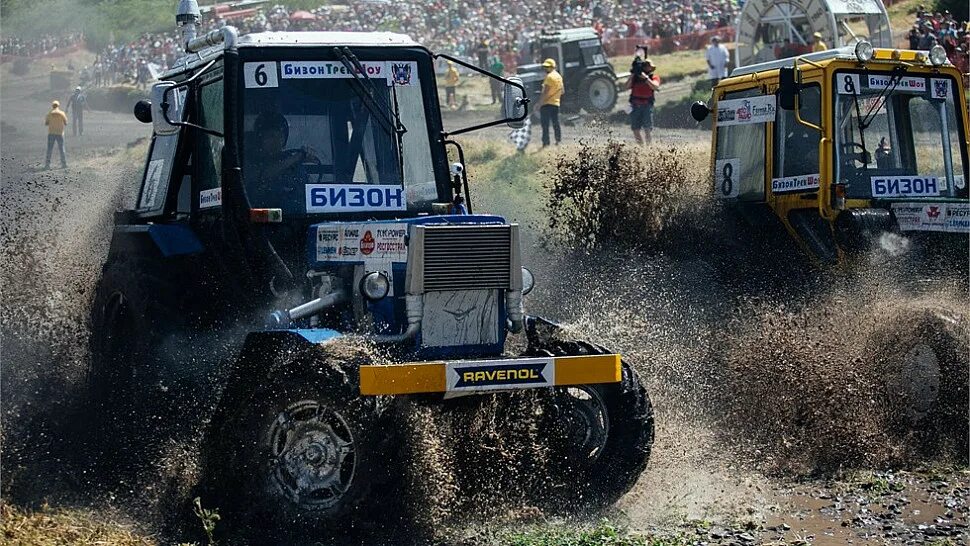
(846, 53)
(571, 34)
(354, 39)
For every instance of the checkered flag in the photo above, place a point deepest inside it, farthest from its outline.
(521, 136)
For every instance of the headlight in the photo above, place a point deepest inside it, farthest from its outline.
(863, 51)
(937, 55)
(375, 285)
(528, 281)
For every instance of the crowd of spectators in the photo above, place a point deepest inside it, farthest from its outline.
(942, 29)
(468, 28)
(38, 47)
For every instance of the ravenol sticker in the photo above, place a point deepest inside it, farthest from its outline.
(362, 242)
(490, 375)
(760, 109)
(210, 198)
(905, 186)
(795, 183)
(354, 198)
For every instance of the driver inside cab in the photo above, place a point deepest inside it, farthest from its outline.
(279, 169)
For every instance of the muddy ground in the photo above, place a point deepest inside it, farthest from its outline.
(768, 428)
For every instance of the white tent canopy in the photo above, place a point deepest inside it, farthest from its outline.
(771, 29)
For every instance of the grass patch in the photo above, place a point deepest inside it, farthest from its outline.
(57, 527)
(670, 66)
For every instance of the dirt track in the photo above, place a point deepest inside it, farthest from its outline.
(55, 231)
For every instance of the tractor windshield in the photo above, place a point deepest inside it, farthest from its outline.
(898, 136)
(319, 140)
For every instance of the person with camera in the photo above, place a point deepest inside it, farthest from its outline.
(643, 88)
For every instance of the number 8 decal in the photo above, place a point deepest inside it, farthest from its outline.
(727, 173)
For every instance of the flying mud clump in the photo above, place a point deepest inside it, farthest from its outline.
(614, 194)
(868, 380)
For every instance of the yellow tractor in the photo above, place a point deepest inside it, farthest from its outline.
(845, 148)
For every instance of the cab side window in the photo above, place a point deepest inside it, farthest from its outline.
(740, 166)
(209, 147)
(796, 145)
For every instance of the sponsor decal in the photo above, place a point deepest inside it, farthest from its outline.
(367, 243)
(401, 73)
(393, 72)
(500, 374)
(374, 243)
(760, 109)
(906, 84)
(353, 198)
(795, 183)
(940, 88)
(905, 186)
(727, 172)
(210, 198)
(945, 217)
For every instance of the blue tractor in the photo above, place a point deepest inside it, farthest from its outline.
(302, 251)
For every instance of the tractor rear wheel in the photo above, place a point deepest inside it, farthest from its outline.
(134, 308)
(597, 92)
(301, 455)
(600, 436)
(922, 361)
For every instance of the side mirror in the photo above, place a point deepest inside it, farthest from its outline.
(166, 107)
(514, 105)
(788, 87)
(699, 111)
(143, 111)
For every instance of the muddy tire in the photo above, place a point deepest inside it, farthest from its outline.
(134, 307)
(303, 454)
(923, 365)
(600, 437)
(597, 92)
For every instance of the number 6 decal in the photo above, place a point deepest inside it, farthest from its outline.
(727, 174)
(260, 75)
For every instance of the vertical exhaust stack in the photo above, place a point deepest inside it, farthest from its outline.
(187, 19)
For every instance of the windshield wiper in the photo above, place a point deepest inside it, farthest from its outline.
(377, 106)
(861, 122)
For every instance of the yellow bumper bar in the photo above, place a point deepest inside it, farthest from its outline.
(488, 375)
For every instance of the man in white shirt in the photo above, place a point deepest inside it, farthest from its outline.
(717, 61)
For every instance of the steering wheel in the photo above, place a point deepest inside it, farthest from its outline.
(848, 151)
(310, 159)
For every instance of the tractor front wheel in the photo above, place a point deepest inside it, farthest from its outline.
(298, 457)
(600, 438)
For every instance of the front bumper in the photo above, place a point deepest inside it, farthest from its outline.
(488, 375)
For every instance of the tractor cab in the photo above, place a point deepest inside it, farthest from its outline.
(588, 77)
(844, 145)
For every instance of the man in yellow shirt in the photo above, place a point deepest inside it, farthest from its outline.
(451, 82)
(55, 121)
(549, 101)
(817, 43)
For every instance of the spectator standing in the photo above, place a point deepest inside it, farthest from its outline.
(926, 39)
(817, 43)
(717, 61)
(643, 91)
(76, 105)
(56, 122)
(451, 82)
(913, 37)
(482, 51)
(498, 68)
(549, 101)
